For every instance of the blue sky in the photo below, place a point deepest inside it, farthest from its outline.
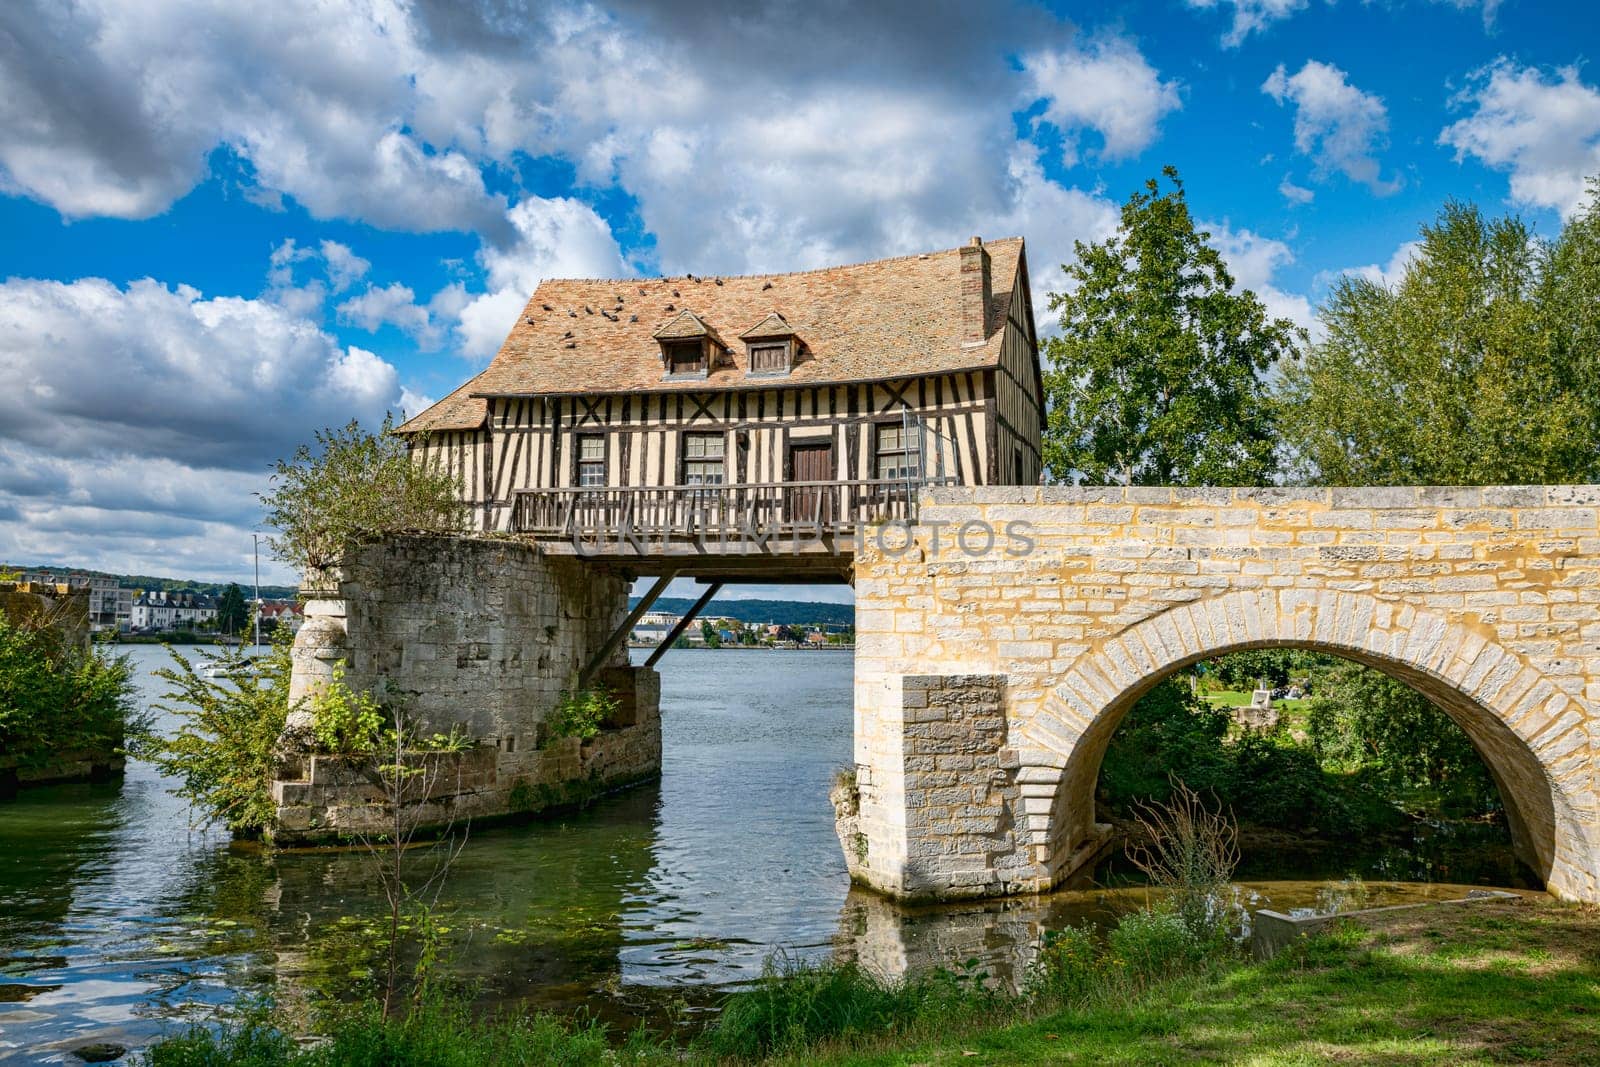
(227, 225)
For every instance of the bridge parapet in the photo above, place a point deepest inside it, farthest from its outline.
(1487, 599)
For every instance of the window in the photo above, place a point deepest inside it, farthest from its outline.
(896, 452)
(702, 459)
(769, 358)
(591, 459)
(686, 357)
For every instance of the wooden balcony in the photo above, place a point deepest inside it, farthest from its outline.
(716, 525)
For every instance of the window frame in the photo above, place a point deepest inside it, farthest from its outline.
(785, 363)
(685, 459)
(905, 451)
(578, 459)
(669, 350)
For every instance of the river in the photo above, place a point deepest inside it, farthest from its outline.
(119, 919)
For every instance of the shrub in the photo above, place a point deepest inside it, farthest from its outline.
(581, 714)
(439, 1032)
(1152, 946)
(796, 1005)
(1068, 966)
(57, 696)
(223, 751)
(1191, 852)
(343, 720)
(352, 487)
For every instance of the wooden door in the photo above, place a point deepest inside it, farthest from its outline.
(811, 461)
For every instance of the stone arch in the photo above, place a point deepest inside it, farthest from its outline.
(1530, 732)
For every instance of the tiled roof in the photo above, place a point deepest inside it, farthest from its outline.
(458, 411)
(771, 326)
(890, 318)
(685, 324)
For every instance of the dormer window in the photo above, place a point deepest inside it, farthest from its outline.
(770, 346)
(688, 347)
(686, 357)
(769, 358)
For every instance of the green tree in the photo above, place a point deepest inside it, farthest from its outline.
(354, 486)
(233, 614)
(1158, 374)
(713, 639)
(1359, 718)
(1477, 367)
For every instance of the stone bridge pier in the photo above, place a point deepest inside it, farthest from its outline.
(999, 648)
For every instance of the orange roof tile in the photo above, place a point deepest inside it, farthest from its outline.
(458, 411)
(890, 318)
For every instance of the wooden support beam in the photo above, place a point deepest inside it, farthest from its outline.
(622, 632)
(683, 624)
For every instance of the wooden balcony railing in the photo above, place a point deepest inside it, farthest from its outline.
(713, 512)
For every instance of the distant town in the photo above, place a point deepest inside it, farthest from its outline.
(722, 631)
(117, 605)
(170, 608)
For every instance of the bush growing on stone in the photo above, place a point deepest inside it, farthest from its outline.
(56, 696)
(343, 720)
(581, 714)
(352, 487)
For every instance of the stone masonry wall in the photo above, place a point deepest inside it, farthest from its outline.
(1486, 599)
(476, 634)
(960, 790)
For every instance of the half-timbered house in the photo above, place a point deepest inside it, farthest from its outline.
(822, 398)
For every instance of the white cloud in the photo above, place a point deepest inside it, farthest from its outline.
(1388, 274)
(143, 418)
(1489, 8)
(556, 238)
(1544, 129)
(1341, 128)
(111, 109)
(345, 268)
(901, 127)
(1295, 194)
(1106, 86)
(1254, 260)
(1250, 16)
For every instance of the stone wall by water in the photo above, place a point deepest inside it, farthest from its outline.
(477, 635)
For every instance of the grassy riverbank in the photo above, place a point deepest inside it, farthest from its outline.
(1480, 983)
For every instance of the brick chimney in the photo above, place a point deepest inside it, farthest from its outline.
(976, 290)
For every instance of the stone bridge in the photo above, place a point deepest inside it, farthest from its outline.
(991, 676)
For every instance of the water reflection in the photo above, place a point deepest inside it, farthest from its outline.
(117, 919)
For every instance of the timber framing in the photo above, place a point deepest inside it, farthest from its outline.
(893, 375)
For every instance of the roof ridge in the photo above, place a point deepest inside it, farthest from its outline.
(698, 278)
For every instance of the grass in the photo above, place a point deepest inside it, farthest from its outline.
(1469, 984)
(1234, 698)
(1489, 983)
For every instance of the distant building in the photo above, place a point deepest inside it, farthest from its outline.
(159, 611)
(110, 605)
(282, 613)
(658, 618)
